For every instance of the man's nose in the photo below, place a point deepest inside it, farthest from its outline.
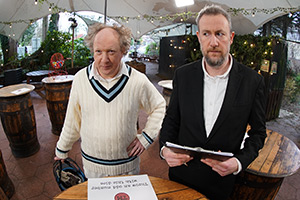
(104, 57)
(214, 41)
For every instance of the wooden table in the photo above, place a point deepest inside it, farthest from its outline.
(164, 189)
(35, 78)
(279, 158)
(167, 89)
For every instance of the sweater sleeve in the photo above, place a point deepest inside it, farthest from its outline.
(155, 105)
(70, 131)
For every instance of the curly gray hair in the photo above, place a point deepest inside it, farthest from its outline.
(124, 33)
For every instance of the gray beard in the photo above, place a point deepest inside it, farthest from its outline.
(214, 63)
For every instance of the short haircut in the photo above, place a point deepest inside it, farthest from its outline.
(214, 10)
(124, 36)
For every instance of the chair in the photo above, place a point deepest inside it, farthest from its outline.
(12, 76)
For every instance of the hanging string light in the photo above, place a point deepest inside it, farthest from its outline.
(184, 16)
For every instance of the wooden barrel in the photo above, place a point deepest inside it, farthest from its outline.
(18, 120)
(6, 185)
(57, 96)
(279, 158)
(250, 186)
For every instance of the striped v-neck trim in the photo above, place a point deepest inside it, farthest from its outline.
(108, 95)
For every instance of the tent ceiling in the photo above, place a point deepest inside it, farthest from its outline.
(18, 11)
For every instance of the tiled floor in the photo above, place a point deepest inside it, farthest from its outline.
(33, 177)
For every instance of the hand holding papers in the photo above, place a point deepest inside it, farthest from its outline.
(198, 151)
(122, 187)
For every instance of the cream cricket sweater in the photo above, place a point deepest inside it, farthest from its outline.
(106, 120)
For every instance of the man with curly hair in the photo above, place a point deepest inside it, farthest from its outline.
(103, 108)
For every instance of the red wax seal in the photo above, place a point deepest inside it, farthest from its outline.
(122, 196)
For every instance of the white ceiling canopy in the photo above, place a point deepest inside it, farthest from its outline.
(16, 15)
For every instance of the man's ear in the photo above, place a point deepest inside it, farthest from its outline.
(231, 37)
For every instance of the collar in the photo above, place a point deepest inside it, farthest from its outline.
(225, 75)
(94, 73)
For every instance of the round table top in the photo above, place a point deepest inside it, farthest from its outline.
(280, 157)
(166, 84)
(39, 72)
(164, 189)
(16, 90)
(58, 79)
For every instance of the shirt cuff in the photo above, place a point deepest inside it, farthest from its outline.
(239, 167)
(160, 153)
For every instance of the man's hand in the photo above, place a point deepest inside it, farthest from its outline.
(57, 158)
(175, 159)
(135, 148)
(224, 167)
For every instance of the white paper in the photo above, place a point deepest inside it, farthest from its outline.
(136, 187)
(20, 91)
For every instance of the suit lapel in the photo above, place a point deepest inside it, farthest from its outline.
(199, 100)
(197, 84)
(231, 91)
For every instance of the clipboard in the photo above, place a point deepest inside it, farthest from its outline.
(198, 151)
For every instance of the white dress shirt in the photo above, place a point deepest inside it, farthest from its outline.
(214, 93)
(108, 83)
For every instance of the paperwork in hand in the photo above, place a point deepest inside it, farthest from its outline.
(194, 150)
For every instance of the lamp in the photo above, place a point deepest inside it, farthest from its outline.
(181, 3)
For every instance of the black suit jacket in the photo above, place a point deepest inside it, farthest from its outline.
(244, 103)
